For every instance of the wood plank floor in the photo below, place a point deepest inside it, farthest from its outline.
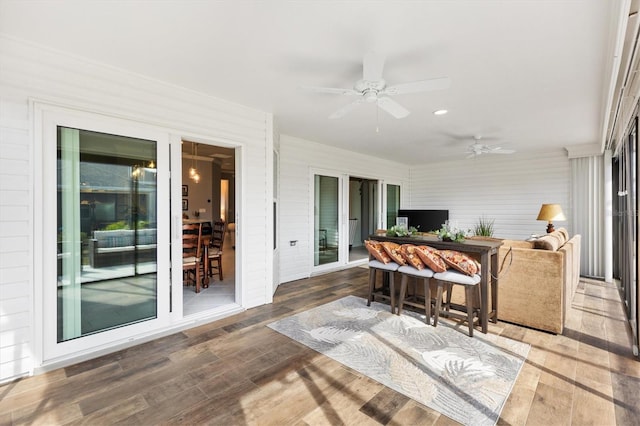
(238, 371)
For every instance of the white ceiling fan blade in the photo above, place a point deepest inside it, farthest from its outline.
(332, 90)
(392, 107)
(346, 109)
(372, 66)
(419, 86)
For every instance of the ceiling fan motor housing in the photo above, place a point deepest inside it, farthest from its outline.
(370, 89)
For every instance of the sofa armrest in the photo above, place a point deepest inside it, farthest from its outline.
(571, 250)
(531, 288)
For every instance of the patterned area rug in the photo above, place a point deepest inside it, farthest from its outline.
(465, 378)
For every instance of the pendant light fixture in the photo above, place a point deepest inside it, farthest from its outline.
(193, 171)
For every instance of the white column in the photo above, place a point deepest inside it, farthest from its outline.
(608, 217)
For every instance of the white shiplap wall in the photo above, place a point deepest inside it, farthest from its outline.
(16, 222)
(297, 158)
(30, 72)
(506, 188)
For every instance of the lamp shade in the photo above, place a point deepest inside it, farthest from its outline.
(551, 212)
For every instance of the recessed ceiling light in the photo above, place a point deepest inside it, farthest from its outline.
(440, 112)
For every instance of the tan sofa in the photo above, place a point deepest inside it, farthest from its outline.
(537, 285)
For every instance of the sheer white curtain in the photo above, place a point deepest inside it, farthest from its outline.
(588, 212)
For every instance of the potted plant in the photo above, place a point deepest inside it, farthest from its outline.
(401, 231)
(450, 233)
(484, 227)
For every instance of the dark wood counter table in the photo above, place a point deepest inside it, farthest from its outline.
(488, 252)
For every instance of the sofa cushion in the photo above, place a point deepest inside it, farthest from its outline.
(124, 237)
(147, 236)
(376, 250)
(393, 250)
(460, 261)
(408, 252)
(430, 257)
(114, 238)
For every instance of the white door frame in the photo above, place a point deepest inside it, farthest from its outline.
(342, 222)
(46, 119)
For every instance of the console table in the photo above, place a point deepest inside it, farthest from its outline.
(488, 251)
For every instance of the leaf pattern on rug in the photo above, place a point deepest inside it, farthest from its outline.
(412, 379)
(466, 379)
(455, 368)
(506, 366)
(356, 314)
(331, 334)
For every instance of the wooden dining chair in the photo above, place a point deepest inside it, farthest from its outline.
(192, 254)
(215, 247)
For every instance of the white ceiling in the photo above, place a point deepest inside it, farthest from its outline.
(526, 74)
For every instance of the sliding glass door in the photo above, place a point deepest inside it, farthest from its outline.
(326, 219)
(106, 232)
(106, 221)
(345, 211)
(625, 225)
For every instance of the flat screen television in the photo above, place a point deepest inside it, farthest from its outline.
(425, 220)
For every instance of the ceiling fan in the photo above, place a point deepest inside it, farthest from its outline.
(478, 148)
(373, 88)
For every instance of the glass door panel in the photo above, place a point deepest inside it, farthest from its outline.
(393, 204)
(326, 220)
(106, 232)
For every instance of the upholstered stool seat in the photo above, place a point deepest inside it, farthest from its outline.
(445, 281)
(386, 268)
(415, 300)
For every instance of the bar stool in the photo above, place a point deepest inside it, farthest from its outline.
(424, 274)
(448, 279)
(386, 268)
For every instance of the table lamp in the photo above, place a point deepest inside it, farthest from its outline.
(550, 212)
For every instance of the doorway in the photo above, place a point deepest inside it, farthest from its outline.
(363, 215)
(209, 196)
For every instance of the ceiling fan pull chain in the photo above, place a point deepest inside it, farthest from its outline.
(377, 115)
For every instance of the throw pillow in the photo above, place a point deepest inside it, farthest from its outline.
(408, 252)
(430, 257)
(460, 261)
(376, 250)
(547, 242)
(393, 250)
(563, 234)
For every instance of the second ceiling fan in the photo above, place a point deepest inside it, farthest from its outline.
(478, 148)
(373, 88)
